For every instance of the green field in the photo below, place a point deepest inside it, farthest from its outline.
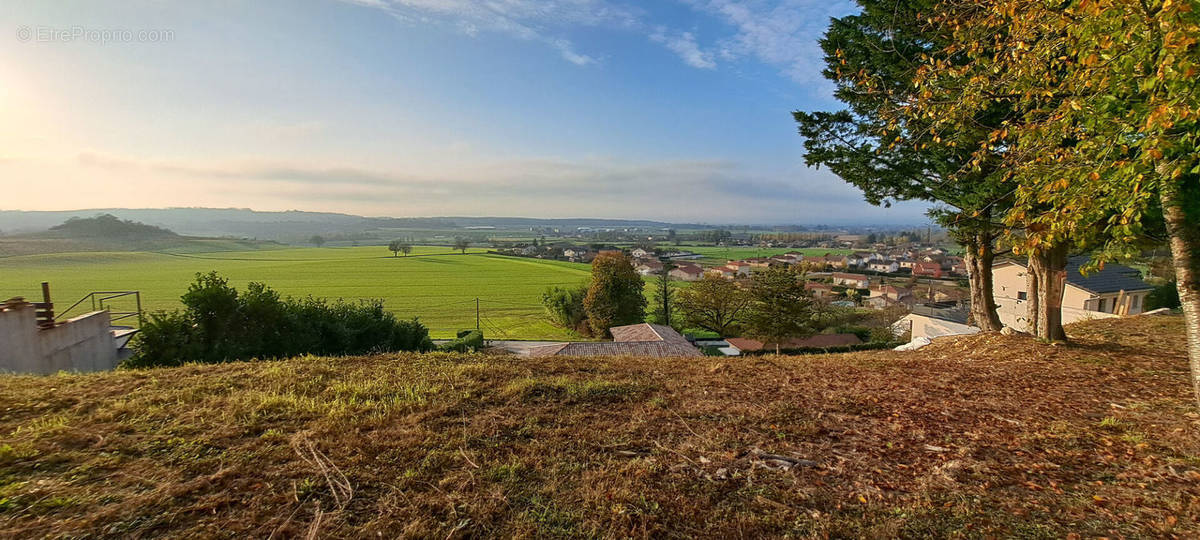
(721, 254)
(433, 283)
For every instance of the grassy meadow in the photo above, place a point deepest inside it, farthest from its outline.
(433, 283)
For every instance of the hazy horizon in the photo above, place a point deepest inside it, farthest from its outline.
(89, 212)
(675, 112)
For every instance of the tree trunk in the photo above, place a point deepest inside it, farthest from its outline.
(979, 258)
(1031, 298)
(1181, 208)
(1050, 270)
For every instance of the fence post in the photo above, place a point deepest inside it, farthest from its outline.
(49, 313)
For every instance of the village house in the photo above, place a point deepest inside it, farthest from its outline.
(906, 263)
(575, 252)
(788, 258)
(1112, 291)
(757, 262)
(817, 262)
(686, 272)
(854, 281)
(889, 291)
(818, 289)
(927, 269)
(739, 268)
(640, 253)
(884, 302)
(886, 266)
(957, 266)
(647, 268)
(722, 272)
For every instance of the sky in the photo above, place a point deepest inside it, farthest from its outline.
(674, 110)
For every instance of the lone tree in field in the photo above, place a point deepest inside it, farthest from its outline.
(782, 309)
(395, 247)
(462, 244)
(317, 240)
(616, 295)
(714, 304)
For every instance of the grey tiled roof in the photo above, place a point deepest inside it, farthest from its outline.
(632, 340)
(610, 348)
(1113, 278)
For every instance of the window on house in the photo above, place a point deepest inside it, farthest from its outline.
(1022, 295)
(1133, 302)
(1101, 305)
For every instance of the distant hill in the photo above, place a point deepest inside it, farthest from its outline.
(110, 226)
(106, 232)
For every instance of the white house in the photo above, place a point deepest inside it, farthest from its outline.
(639, 253)
(1113, 291)
(878, 265)
(857, 281)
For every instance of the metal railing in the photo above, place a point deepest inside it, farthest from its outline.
(98, 301)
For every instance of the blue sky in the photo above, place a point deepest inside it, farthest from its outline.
(674, 110)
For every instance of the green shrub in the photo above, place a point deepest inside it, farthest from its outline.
(468, 341)
(218, 324)
(1163, 296)
(564, 306)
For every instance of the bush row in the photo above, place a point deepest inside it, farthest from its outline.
(218, 324)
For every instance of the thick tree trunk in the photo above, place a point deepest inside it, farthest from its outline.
(979, 257)
(1050, 270)
(1181, 208)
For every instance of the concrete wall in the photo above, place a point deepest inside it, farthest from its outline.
(84, 343)
(929, 327)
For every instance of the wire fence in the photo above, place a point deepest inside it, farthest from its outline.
(493, 317)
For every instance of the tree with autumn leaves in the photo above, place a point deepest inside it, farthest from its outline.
(1104, 153)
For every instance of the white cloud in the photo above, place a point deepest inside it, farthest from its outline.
(532, 20)
(684, 44)
(782, 34)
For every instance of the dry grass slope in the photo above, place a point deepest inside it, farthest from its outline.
(985, 435)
